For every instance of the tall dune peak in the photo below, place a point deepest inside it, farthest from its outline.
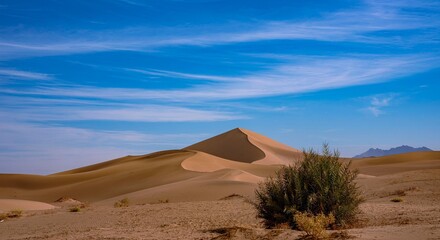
(244, 145)
(232, 145)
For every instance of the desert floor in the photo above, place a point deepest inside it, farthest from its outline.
(416, 217)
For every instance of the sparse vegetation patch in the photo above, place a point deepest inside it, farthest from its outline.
(403, 192)
(15, 213)
(12, 214)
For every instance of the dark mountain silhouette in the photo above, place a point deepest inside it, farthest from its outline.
(376, 152)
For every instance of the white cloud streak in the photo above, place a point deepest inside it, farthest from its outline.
(180, 75)
(303, 75)
(355, 25)
(18, 74)
(39, 110)
(140, 113)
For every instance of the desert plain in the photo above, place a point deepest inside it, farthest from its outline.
(206, 191)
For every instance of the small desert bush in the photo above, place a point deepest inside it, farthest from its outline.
(397, 200)
(122, 203)
(14, 213)
(75, 209)
(318, 184)
(314, 226)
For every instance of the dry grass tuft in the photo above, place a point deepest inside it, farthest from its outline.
(314, 226)
(403, 192)
(122, 203)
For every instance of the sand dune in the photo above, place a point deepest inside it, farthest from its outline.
(227, 162)
(275, 152)
(397, 163)
(102, 181)
(246, 146)
(232, 162)
(204, 162)
(232, 145)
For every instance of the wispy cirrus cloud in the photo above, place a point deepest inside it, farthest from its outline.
(26, 75)
(358, 24)
(305, 74)
(181, 75)
(41, 110)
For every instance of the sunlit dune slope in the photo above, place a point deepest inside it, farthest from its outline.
(391, 164)
(101, 181)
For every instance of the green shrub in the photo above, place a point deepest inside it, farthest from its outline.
(314, 226)
(122, 203)
(318, 184)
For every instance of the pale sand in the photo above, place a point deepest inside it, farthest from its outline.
(417, 217)
(15, 204)
(194, 180)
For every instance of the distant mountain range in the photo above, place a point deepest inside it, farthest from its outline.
(376, 152)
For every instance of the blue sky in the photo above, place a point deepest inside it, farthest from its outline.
(87, 81)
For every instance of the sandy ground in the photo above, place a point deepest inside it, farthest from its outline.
(183, 194)
(416, 217)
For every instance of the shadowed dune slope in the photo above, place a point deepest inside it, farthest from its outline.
(232, 145)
